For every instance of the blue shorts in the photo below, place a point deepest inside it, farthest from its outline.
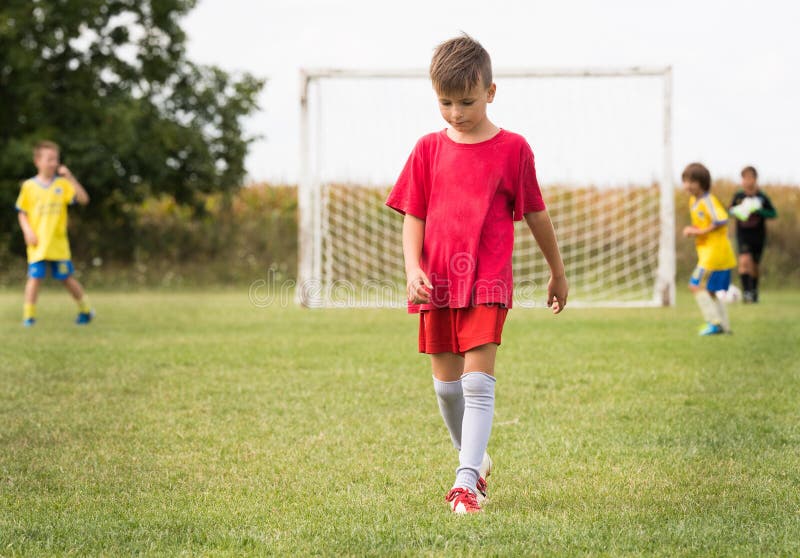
(59, 269)
(713, 281)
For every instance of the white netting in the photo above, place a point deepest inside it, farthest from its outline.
(599, 150)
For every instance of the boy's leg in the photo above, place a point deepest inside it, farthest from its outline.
(754, 282)
(76, 290)
(478, 385)
(754, 272)
(747, 273)
(447, 371)
(697, 284)
(64, 273)
(31, 295)
(719, 281)
(722, 312)
(707, 305)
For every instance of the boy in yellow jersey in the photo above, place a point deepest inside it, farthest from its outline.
(42, 212)
(715, 257)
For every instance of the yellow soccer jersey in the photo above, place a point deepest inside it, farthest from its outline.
(714, 251)
(46, 208)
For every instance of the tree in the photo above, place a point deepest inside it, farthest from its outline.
(111, 82)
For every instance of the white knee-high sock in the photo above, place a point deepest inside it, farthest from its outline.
(450, 396)
(477, 425)
(722, 312)
(707, 307)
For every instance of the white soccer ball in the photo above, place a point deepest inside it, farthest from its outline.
(731, 296)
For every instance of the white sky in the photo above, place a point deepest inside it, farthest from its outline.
(736, 64)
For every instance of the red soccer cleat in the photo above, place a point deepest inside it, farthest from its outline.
(463, 501)
(485, 471)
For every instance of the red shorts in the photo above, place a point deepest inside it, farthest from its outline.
(457, 330)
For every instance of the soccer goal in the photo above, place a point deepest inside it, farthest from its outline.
(602, 142)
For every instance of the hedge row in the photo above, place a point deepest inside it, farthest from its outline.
(236, 240)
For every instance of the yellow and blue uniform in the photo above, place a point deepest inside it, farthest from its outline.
(45, 205)
(715, 257)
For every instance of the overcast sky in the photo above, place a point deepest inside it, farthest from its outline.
(736, 66)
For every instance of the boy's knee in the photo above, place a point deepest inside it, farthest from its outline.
(477, 383)
(450, 392)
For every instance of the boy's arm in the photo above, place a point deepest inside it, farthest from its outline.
(691, 230)
(716, 223)
(80, 192)
(542, 229)
(418, 286)
(27, 231)
(767, 210)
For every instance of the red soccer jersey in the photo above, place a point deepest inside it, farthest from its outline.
(469, 196)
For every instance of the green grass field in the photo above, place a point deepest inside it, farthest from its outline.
(198, 424)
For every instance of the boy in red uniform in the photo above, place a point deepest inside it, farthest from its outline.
(460, 193)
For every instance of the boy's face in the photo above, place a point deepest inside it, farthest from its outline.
(749, 183)
(46, 161)
(693, 188)
(466, 111)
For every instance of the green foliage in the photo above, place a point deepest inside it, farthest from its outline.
(195, 424)
(110, 81)
(219, 239)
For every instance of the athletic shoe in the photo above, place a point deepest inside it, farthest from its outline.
(29, 322)
(711, 329)
(84, 317)
(462, 501)
(483, 474)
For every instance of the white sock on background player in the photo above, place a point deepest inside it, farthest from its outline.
(722, 312)
(476, 427)
(450, 396)
(707, 307)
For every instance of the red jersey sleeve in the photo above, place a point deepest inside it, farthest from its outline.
(527, 195)
(410, 192)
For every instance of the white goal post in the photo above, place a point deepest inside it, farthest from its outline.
(617, 251)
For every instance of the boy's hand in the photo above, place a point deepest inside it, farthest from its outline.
(418, 287)
(690, 231)
(557, 289)
(64, 171)
(30, 238)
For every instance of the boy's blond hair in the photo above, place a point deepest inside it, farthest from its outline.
(45, 144)
(458, 64)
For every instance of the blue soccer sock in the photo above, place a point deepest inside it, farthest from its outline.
(477, 426)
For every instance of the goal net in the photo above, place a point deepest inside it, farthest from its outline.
(602, 143)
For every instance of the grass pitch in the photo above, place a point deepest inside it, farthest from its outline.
(198, 424)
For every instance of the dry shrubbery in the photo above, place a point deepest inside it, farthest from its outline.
(236, 240)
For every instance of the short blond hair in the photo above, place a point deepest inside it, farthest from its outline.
(45, 144)
(458, 65)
